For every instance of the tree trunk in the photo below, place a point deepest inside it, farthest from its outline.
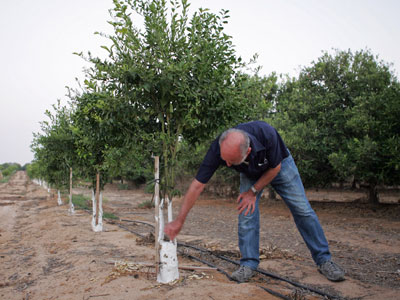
(59, 201)
(97, 197)
(70, 185)
(373, 193)
(71, 205)
(156, 210)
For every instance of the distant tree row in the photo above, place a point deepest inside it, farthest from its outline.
(341, 120)
(8, 169)
(169, 89)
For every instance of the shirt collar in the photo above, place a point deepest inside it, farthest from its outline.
(255, 145)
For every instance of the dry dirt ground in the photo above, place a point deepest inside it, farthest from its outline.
(45, 253)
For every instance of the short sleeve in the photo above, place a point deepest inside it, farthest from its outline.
(210, 163)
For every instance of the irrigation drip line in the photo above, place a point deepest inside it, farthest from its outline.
(141, 222)
(274, 293)
(132, 231)
(206, 263)
(153, 180)
(261, 271)
(159, 182)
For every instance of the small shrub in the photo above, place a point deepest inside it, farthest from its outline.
(146, 204)
(6, 178)
(111, 216)
(82, 202)
(123, 186)
(7, 170)
(149, 189)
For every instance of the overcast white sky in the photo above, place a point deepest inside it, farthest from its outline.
(38, 38)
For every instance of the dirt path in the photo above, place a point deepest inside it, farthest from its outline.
(47, 254)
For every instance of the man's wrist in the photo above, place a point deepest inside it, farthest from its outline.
(254, 190)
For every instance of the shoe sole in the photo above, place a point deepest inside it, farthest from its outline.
(333, 279)
(240, 281)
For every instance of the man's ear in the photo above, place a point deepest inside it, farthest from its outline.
(248, 151)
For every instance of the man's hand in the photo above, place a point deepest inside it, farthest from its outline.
(173, 228)
(246, 200)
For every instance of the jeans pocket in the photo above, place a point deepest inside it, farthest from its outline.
(287, 173)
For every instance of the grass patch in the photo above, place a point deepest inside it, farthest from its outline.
(146, 204)
(111, 216)
(5, 178)
(82, 202)
(85, 202)
(123, 186)
(149, 188)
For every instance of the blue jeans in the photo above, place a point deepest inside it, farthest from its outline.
(289, 186)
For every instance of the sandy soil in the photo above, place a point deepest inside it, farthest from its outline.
(45, 253)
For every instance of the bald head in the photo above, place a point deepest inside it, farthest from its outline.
(235, 146)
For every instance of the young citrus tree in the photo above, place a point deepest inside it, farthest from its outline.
(54, 148)
(176, 78)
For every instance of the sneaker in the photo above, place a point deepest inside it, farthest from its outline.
(243, 274)
(331, 271)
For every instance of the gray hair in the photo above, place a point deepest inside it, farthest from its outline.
(244, 145)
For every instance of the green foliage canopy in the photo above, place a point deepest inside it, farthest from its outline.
(176, 79)
(341, 118)
(7, 170)
(54, 149)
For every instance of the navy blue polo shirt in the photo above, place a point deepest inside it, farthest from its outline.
(267, 151)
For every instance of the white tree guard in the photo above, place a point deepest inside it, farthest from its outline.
(161, 221)
(168, 262)
(46, 186)
(59, 201)
(168, 258)
(99, 226)
(71, 209)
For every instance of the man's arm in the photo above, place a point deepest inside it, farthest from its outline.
(173, 228)
(248, 199)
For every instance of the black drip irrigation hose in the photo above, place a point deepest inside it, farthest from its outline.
(206, 263)
(259, 270)
(227, 275)
(276, 294)
(141, 222)
(131, 231)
